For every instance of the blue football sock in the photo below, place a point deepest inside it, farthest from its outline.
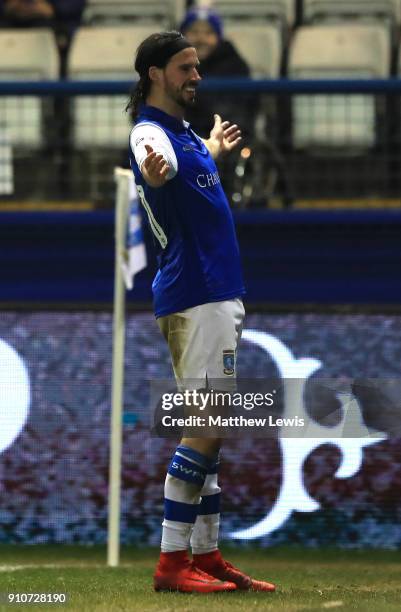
(185, 478)
(205, 533)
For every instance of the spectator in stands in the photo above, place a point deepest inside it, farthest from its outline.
(64, 16)
(26, 12)
(218, 58)
(66, 13)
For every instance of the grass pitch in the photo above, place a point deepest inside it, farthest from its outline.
(306, 580)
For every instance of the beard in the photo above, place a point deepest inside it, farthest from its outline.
(183, 98)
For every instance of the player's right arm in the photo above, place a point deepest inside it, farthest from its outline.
(154, 154)
(154, 168)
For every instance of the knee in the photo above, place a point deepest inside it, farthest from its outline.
(207, 446)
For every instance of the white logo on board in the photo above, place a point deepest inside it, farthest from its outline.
(14, 395)
(293, 495)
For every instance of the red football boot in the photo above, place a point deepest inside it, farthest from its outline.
(214, 564)
(175, 572)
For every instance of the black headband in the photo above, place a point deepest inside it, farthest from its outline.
(161, 55)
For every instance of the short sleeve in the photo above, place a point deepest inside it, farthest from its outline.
(154, 136)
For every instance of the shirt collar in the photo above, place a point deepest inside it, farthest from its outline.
(155, 114)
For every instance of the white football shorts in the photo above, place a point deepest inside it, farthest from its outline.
(203, 343)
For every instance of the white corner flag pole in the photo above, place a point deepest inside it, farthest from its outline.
(122, 178)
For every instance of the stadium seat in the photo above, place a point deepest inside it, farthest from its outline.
(166, 13)
(260, 46)
(29, 55)
(337, 51)
(316, 10)
(100, 121)
(283, 10)
(6, 166)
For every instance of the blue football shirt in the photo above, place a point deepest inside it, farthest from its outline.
(192, 224)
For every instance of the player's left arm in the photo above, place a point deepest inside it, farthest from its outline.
(223, 137)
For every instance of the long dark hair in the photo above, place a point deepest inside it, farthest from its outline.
(155, 50)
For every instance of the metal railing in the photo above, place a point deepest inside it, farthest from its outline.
(307, 143)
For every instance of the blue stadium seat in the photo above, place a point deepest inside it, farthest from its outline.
(283, 10)
(347, 50)
(100, 121)
(166, 14)
(29, 55)
(6, 165)
(318, 10)
(260, 44)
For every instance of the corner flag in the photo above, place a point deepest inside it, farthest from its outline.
(130, 258)
(135, 254)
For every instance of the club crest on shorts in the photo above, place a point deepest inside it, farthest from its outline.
(229, 362)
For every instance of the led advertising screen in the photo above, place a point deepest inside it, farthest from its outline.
(55, 371)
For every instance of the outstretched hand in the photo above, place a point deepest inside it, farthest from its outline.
(154, 168)
(223, 136)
